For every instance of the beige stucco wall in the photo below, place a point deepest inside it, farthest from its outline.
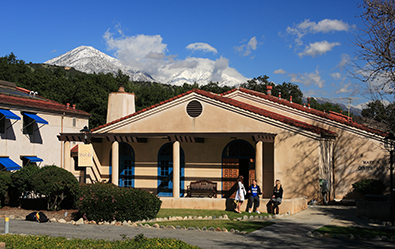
(44, 142)
(356, 153)
(293, 158)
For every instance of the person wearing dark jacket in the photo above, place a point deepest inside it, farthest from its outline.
(277, 197)
(254, 191)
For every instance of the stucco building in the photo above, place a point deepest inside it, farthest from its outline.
(29, 125)
(205, 136)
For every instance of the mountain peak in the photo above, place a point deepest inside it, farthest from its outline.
(88, 59)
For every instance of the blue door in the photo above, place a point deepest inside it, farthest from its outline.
(165, 171)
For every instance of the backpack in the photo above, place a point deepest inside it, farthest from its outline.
(37, 216)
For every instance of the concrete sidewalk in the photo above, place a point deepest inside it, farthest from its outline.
(287, 232)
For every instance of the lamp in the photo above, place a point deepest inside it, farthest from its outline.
(85, 130)
(389, 144)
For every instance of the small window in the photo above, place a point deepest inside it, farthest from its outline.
(194, 108)
(27, 125)
(2, 123)
(74, 122)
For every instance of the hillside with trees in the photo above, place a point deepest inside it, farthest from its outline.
(89, 92)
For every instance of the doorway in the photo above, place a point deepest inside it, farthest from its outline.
(237, 159)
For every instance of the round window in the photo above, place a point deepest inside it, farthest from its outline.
(194, 108)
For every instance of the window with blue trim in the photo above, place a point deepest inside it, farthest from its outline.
(165, 171)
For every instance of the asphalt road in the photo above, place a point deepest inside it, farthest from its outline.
(287, 232)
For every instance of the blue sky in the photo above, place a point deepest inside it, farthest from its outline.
(303, 42)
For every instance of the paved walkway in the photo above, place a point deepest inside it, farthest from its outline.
(287, 232)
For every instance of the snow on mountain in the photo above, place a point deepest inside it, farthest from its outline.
(89, 60)
(353, 110)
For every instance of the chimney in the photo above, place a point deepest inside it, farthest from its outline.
(120, 104)
(73, 106)
(279, 95)
(68, 105)
(290, 99)
(269, 90)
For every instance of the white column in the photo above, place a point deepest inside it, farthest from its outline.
(115, 163)
(259, 163)
(176, 169)
(67, 156)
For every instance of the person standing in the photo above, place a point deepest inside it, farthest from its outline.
(241, 192)
(254, 191)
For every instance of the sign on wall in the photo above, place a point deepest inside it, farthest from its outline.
(85, 155)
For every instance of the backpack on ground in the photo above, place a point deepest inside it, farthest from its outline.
(37, 216)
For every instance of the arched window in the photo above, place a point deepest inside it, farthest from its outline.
(165, 170)
(126, 165)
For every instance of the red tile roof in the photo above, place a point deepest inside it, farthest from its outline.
(237, 104)
(334, 117)
(40, 103)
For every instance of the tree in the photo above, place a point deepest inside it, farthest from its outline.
(56, 184)
(376, 45)
(379, 112)
(376, 50)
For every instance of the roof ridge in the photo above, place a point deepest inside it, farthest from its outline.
(48, 105)
(312, 111)
(235, 103)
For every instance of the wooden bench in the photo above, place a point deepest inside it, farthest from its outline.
(202, 188)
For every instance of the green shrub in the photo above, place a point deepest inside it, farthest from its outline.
(369, 186)
(22, 179)
(107, 202)
(56, 184)
(5, 182)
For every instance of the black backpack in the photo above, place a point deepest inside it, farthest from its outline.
(37, 216)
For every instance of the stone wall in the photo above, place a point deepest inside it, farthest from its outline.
(292, 206)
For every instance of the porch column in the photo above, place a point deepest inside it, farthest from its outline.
(115, 163)
(176, 169)
(259, 163)
(66, 156)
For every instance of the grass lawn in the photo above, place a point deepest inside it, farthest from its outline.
(44, 242)
(203, 212)
(247, 226)
(335, 230)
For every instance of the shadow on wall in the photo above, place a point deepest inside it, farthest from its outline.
(342, 168)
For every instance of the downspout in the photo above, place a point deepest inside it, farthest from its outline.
(61, 142)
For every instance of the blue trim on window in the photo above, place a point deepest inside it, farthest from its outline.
(33, 159)
(9, 164)
(165, 171)
(9, 114)
(36, 118)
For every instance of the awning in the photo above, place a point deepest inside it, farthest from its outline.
(9, 114)
(33, 159)
(36, 118)
(9, 164)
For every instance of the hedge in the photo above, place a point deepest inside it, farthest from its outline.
(107, 202)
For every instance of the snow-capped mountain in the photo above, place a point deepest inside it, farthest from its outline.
(89, 60)
(353, 110)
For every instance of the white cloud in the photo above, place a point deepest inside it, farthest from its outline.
(345, 58)
(245, 49)
(318, 48)
(308, 79)
(345, 88)
(219, 66)
(149, 54)
(324, 26)
(336, 76)
(202, 46)
(279, 71)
